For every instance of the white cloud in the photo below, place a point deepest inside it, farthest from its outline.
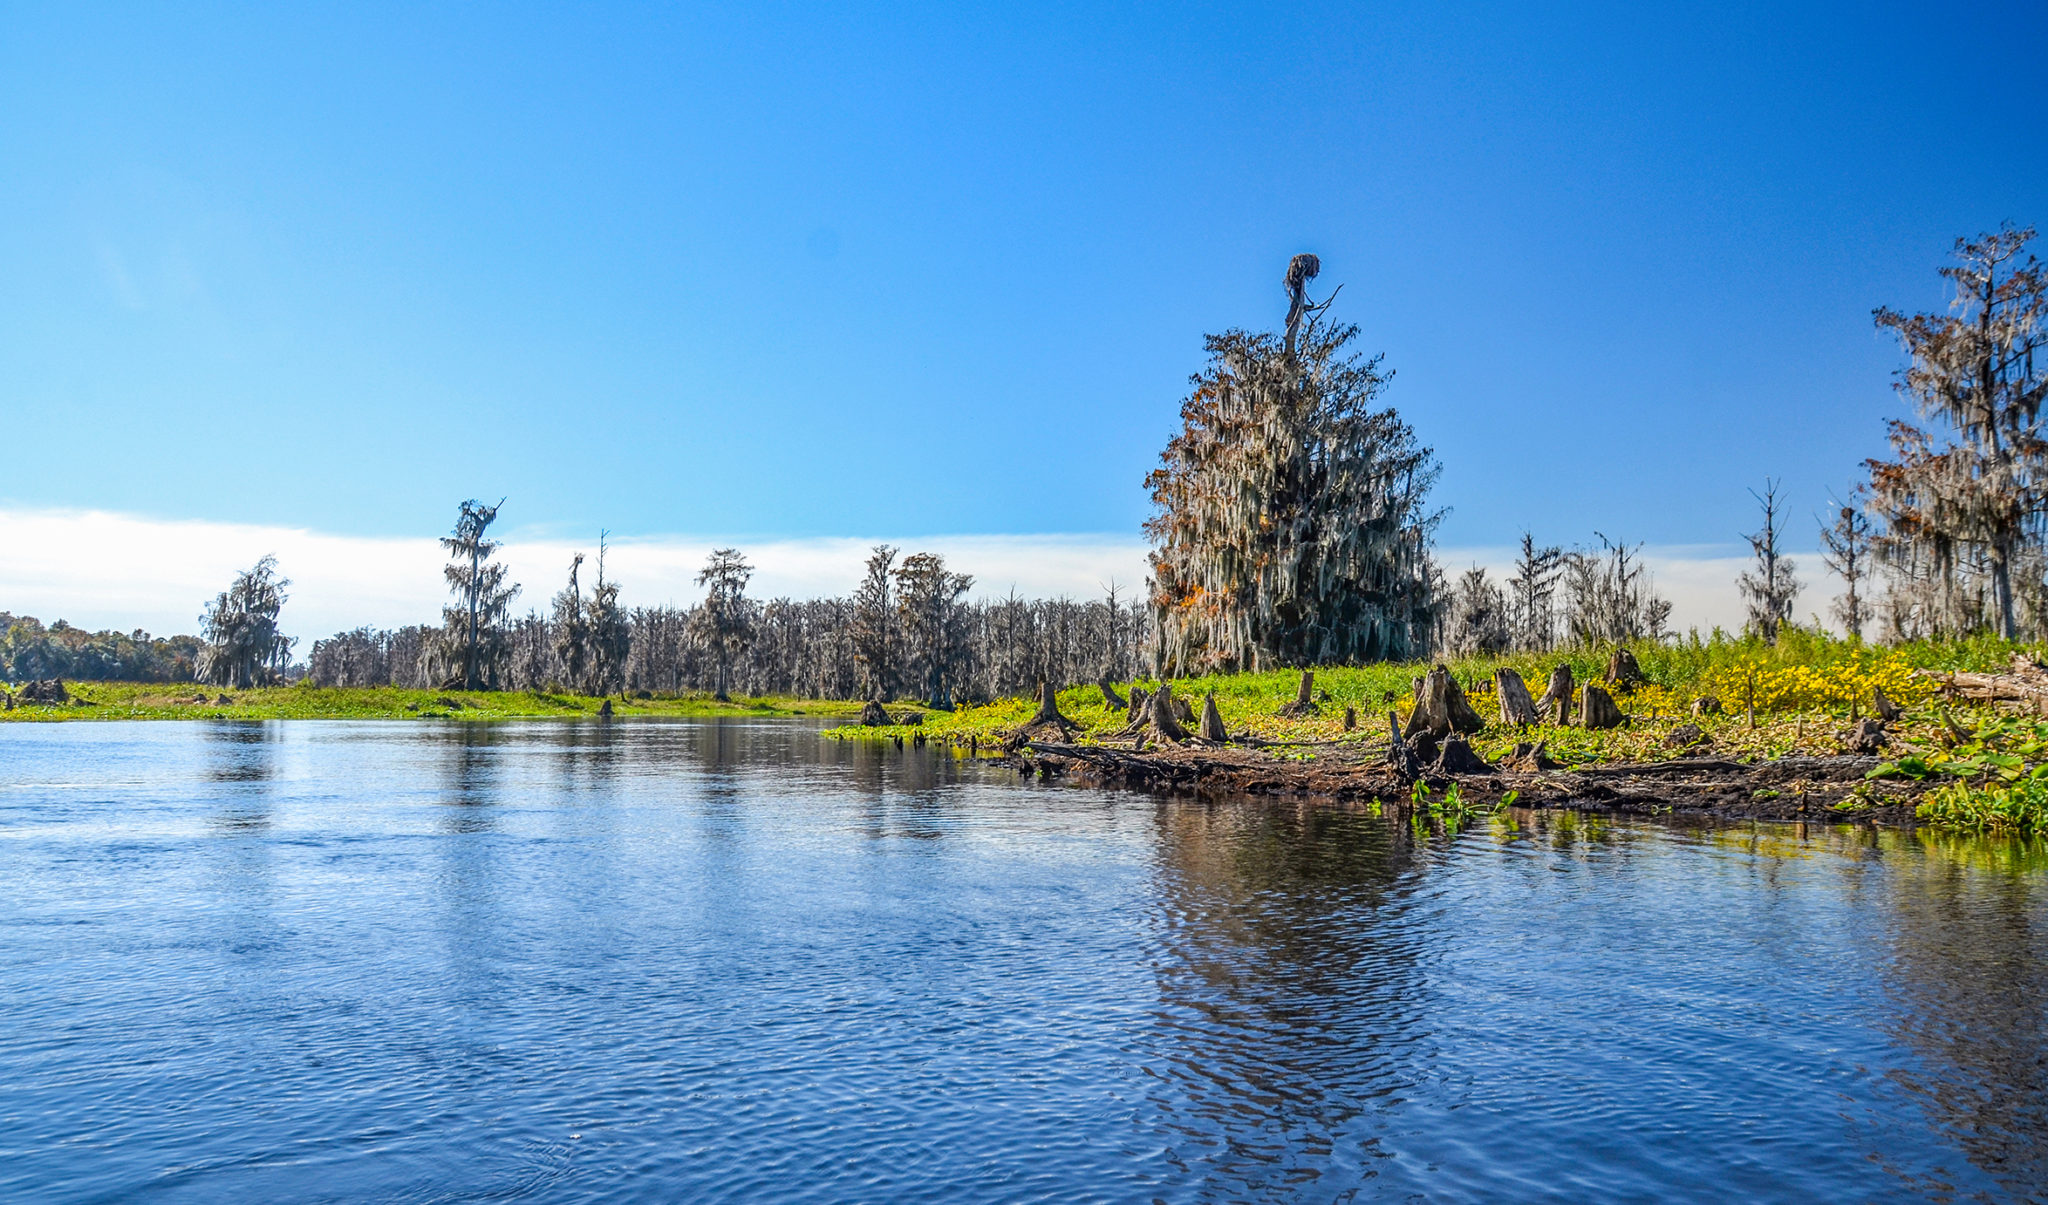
(104, 570)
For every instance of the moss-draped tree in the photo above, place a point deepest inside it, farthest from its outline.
(1290, 524)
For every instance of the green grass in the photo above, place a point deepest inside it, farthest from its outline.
(1805, 691)
(185, 701)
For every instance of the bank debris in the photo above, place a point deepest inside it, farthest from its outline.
(1431, 753)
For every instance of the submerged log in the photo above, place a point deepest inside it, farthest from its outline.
(1116, 702)
(1516, 707)
(1597, 709)
(1557, 696)
(1441, 708)
(1212, 720)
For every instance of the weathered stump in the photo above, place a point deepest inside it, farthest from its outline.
(1304, 704)
(873, 714)
(1166, 717)
(1457, 758)
(1441, 708)
(1048, 709)
(1882, 704)
(1623, 674)
(1406, 766)
(50, 690)
(1867, 736)
(1137, 706)
(1116, 702)
(1528, 757)
(1557, 696)
(1685, 736)
(1706, 705)
(1350, 719)
(1212, 720)
(1597, 709)
(1516, 707)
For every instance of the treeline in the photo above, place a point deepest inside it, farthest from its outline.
(30, 651)
(907, 632)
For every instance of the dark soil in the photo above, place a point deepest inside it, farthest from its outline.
(1789, 788)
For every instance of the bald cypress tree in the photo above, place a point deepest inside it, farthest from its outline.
(1290, 522)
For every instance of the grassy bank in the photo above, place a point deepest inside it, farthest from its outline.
(1795, 698)
(185, 701)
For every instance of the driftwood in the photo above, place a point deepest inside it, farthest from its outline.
(2027, 682)
(1623, 674)
(1516, 707)
(1116, 701)
(1212, 720)
(1441, 708)
(1304, 704)
(1557, 697)
(1597, 709)
(873, 714)
(1400, 757)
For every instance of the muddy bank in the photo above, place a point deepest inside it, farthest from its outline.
(1789, 788)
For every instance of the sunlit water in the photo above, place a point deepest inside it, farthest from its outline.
(736, 962)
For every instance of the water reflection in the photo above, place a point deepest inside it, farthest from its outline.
(739, 962)
(1967, 921)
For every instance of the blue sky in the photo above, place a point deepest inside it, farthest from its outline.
(787, 272)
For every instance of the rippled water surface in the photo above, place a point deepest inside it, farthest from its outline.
(732, 961)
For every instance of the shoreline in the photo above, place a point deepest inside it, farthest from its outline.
(1829, 789)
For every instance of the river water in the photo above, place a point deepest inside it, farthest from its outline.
(734, 961)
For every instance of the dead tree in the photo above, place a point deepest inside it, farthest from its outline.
(1516, 707)
(1116, 702)
(1557, 697)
